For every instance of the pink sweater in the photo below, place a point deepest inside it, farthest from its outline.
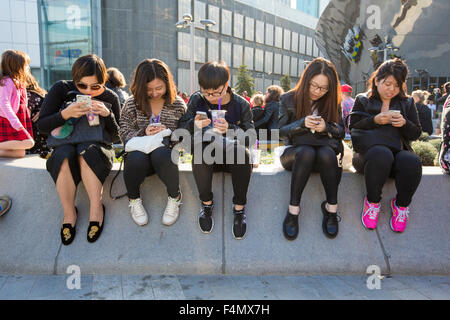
(9, 102)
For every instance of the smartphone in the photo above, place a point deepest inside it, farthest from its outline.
(393, 112)
(157, 124)
(316, 117)
(85, 100)
(203, 115)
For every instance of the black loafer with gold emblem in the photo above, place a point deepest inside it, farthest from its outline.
(95, 229)
(68, 232)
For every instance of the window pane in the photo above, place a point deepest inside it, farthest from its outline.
(183, 46)
(199, 13)
(226, 22)
(249, 58)
(184, 7)
(287, 40)
(226, 52)
(294, 42)
(249, 29)
(268, 62)
(259, 60)
(302, 44)
(278, 37)
(309, 46)
(238, 25)
(286, 64)
(259, 31)
(213, 49)
(269, 34)
(237, 55)
(214, 14)
(277, 64)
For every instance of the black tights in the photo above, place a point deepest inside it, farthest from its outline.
(379, 163)
(303, 160)
(139, 165)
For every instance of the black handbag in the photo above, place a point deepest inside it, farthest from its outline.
(363, 139)
(78, 130)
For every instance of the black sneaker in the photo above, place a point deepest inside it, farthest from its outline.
(205, 220)
(239, 224)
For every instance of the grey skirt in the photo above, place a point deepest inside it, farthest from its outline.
(98, 156)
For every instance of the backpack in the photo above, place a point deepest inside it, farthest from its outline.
(444, 150)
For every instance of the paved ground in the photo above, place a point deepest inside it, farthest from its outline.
(221, 287)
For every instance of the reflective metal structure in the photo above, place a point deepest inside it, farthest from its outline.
(414, 30)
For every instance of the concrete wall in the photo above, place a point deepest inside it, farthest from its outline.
(30, 242)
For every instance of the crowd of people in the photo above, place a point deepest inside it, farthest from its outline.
(75, 124)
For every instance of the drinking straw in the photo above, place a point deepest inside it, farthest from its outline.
(220, 103)
(157, 119)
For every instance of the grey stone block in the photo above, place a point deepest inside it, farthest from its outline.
(264, 250)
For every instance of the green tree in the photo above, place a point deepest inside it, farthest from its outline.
(245, 82)
(285, 82)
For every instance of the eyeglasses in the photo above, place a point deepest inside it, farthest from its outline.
(314, 86)
(213, 94)
(94, 87)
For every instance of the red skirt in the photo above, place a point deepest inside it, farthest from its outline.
(7, 132)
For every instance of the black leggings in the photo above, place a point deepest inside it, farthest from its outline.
(303, 160)
(139, 165)
(379, 163)
(240, 175)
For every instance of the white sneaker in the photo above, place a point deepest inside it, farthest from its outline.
(138, 212)
(172, 211)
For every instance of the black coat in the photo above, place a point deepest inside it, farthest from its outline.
(410, 131)
(425, 118)
(292, 130)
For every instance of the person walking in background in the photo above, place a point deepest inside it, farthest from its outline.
(82, 133)
(257, 108)
(269, 120)
(35, 96)
(116, 81)
(311, 124)
(383, 122)
(16, 130)
(153, 107)
(346, 105)
(423, 111)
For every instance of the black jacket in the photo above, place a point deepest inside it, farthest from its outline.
(238, 114)
(292, 130)
(410, 131)
(425, 118)
(270, 117)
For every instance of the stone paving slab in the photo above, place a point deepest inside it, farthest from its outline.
(223, 287)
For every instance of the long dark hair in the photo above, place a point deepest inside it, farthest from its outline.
(328, 104)
(147, 71)
(394, 67)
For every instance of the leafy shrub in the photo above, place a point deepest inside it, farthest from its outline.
(426, 152)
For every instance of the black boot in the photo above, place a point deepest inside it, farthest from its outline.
(290, 226)
(330, 221)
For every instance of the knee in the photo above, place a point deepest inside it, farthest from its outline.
(305, 155)
(380, 156)
(326, 156)
(408, 161)
(135, 159)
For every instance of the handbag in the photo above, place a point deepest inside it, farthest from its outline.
(363, 139)
(78, 130)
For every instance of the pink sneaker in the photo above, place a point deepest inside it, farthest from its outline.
(399, 217)
(370, 214)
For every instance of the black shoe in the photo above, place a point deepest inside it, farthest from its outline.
(68, 232)
(290, 226)
(239, 224)
(205, 220)
(330, 221)
(95, 229)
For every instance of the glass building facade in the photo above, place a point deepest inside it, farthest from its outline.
(67, 31)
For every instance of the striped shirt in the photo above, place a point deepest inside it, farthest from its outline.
(133, 122)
